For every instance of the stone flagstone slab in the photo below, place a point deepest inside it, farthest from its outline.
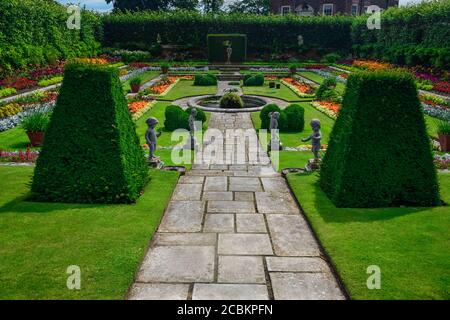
(185, 239)
(183, 216)
(222, 223)
(271, 202)
(187, 192)
(191, 179)
(244, 244)
(250, 223)
(233, 269)
(178, 264)
(276, 184)
(218, 195)
(216, 184)
(231, 206)
(305, 286)
(159, 291)
(230, 292)
(291, 236)
(297, 264)
(245, 184)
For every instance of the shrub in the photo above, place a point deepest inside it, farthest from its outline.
(331, 58)
(254, 81)
(9, 110)
(326, 91)
(36, 122)
(379, 153)
(136, 81)
(205, 80)
(295, 118)
(444, 127)
(231, 101)
(264, 115)
(91, 152)
(50, 81)
(176, 118)
(7, 92)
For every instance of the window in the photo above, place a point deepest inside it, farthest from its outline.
(285, 10)
(354, 9)
(328, 9)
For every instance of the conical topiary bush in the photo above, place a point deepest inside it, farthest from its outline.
(91, 152)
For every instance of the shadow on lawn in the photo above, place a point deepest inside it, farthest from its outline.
(331, 213)
(22, 205)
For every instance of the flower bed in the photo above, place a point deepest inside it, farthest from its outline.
(163, 86)
(331, 109)
(301, 88)
(435, 107)
(139, 108)
(372, 65)
(19, 156)
(442, 162)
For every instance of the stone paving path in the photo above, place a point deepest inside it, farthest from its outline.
(234, 231)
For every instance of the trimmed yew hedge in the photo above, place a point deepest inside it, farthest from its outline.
(270, 34)
(379, 152)
(217, 50)
(91, 152)
(34, 32)
(416, 35)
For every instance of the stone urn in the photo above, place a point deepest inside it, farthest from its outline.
(36, 138)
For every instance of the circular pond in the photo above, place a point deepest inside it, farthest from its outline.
(212, 104)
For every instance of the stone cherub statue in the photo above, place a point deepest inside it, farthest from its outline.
(229, 47)
(275, 143)
(151, 138)
(315, 138)
(192, 127)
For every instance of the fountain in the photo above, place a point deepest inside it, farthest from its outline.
(212, 103)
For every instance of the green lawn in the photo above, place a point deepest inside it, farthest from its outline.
(14, 139)
(284, 92)
(340, 87)
(410, 245)
(186, 88)
(40, 240)
(146, 76)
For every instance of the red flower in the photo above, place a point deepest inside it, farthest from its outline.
(442, 86)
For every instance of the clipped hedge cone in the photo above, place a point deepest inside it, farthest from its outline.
(91, 152)
(379, 152)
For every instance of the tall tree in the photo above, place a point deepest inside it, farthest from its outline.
(250, 6)
(138, 5)
(212, 5)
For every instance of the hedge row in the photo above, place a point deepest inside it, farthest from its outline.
(177, 118)
(264, 33)
(416, 35)
(34, 32)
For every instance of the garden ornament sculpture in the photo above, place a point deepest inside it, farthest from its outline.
(192, 128)
(273, 126)
(315, 138)
(151, 137)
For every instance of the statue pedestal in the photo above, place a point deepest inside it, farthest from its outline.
(312, 165)
(155, 162)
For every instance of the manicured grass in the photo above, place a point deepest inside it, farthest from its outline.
(40, 240)
(291, 159)
(293, 139)
(146, 76)
(14, 139)
(410, 245)
(283, 93)
(432, 126)
(340, 87)
(186, 88)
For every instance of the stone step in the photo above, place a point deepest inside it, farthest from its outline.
(229, 77)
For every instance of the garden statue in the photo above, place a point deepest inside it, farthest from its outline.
(151, 137)
(315, 138)
(192, 128)
(229, 51)
(275, 143)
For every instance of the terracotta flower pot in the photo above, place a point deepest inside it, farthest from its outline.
(36, 138)
(165, 70)
(293, 70)
(135, 88)
(444, 141)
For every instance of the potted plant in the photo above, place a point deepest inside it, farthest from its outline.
(165, 68)
(293, 68)
(444, 135)
(35, 125)
(135, 84)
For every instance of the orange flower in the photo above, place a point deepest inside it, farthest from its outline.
(136, 106)
(100, 61)
(372, 65)
(300, 86)
(335, 107)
